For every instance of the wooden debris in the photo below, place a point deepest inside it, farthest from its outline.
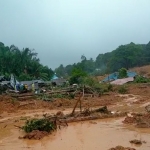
(102, 110)
(76, 104)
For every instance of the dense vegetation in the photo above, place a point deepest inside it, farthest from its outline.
(122, 73)
(125, 56)
(24, 64)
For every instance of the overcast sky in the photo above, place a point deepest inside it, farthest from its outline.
(62, 30)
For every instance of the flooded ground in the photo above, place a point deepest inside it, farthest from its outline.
(90, 135)
(100, 134)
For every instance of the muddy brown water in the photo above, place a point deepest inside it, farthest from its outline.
(89, 135)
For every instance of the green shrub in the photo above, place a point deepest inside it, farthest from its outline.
(39, 124)
(122, 73)
(122, 89)
(71, 96)
(141, 79)
(90, 81)
(77, 76)
(110, 87)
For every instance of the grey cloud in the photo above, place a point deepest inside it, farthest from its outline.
(62, 30)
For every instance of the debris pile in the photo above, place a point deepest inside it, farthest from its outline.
(130, 120)
(92, 116)
(3, 88)
(122, 148)
(43, 124)
(140, 120)
(38, 128)
(137, 142)
(88, 114)
(70, 93)
(35, 134)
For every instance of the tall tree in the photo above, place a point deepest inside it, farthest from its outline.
(24, 64)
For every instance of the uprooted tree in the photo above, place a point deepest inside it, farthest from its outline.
(39, 127)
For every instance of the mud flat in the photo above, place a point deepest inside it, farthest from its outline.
(88, 135)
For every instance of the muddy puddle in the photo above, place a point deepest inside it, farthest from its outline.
(89, 135)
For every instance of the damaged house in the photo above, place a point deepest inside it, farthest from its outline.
(57, 81)
(114, 78)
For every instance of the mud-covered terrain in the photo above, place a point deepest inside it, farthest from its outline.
(106, 133)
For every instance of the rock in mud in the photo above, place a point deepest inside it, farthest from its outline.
(129, 120)
(137, 142)
(60, 114)
(140, 120)
(122, 148)
(147, 108)
(92, 122)
(35, 134)
(103, 110)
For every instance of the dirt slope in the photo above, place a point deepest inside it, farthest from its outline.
(144, 70)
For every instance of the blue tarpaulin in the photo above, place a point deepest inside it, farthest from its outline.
(54, 77)
(114, 76)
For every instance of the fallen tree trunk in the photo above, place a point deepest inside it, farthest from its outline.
(62, 91)
(92, 117)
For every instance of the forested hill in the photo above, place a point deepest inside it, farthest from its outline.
(24, 64)
(127, 56)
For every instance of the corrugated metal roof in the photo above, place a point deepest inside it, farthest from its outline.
(122, 81)
(5, 82)
(114, 76)
(59, 81)
(54, 77)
